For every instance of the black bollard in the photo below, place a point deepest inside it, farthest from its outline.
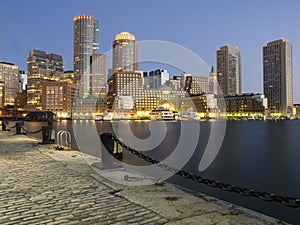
(108, 147)
(46, 135)
(19, 127)
(3, 126)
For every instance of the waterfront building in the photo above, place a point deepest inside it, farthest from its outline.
(174, 82)
(86, 43)
(194, 85)
(98, 73)
(21, 100)
(57, 96)
(213, 82)
(9, 77)
(125, 53)
(89, 108)
(297, 110)
(246, 105)
(2, 95)
(124, 83)
(229, 70)
(41, 67)
(158, 78)
(278, 76)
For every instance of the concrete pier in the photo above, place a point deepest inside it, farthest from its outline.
(41, 185)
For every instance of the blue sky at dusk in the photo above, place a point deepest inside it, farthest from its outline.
(201, 26)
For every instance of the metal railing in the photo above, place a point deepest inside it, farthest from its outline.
(293, 202)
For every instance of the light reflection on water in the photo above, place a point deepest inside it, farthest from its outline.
(263, 155)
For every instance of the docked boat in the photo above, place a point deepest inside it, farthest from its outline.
(161, 114)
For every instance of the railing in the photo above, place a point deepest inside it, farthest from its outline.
(265, 196)
(68, 139)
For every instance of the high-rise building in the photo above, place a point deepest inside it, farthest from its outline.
(86, 43)
(98, 75)
(125, 53)
(158, 78)
(278, 76)
(124, 83)
(229, 70)
(9, 76)
(41, 66)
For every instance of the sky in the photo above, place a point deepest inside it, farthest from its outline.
(202, 26)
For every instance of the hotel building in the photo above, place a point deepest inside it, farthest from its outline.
(278, 76)
(229, 70)
(9, 77)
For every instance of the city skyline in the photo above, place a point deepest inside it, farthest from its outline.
(191, 25)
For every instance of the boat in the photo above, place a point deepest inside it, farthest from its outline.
(161, 114)
(98, 118)
(189, 115)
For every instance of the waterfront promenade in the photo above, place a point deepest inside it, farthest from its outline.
(40, 185)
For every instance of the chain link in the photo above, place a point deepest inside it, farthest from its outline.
(265, 196)
(31, 132)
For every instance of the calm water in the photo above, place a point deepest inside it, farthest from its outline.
(263, 155)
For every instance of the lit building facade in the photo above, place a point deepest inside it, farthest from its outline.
(67, 76)
(229, 70)
(125, 53)
(246, 105)
(41, 67)
(213, 82)
(58, 97)
(9, 76)
(86, 43)
(98, 72)
(88, 108)
(194, 85)
(2, 94)
(124, 83)
(278, 76)
(158, 78)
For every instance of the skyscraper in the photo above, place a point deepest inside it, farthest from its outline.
(229, 70)
(86, 43)
(278, 76)
(98, 75)
(9, 77)
(158, 78)
(41, 66)
(125, 53)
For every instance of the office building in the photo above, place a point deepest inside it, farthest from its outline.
(86, 43)
(246, 105)
(124, 83)
(125, 53)
(41, 66)
(229, 70)
(194, 85)
(2, 95)
(58, 97)
(98, 75)
(9, 77)
(278, 76)
(158, 78)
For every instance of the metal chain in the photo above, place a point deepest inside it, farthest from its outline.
(31, 132)
(265, 196)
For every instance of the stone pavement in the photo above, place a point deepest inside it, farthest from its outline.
(39, 185)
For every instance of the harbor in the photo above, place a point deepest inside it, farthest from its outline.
(44, 186)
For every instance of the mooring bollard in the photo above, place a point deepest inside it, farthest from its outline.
(19, 127)
(3, 126)
(46, 135)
